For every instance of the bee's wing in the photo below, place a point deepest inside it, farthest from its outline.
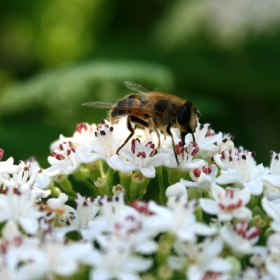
(125, 103)
(135, 87)
(101, 104)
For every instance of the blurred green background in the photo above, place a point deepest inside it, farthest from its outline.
(57, 54)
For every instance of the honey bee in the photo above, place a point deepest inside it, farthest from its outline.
(154, 110)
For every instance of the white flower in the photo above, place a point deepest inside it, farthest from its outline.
(241, 234)
(106, 141)
(127, 223)
(271, 178)
(175, 191)
(141, 156)
(26, 177)
(200, 258)
(97, 141)
(17, 205)
(268, 258)
(272, 208)
(258, 256)
(41, 180)
(116, 262)
(271, 191)
(209, 142)
(275, 165)
(250, 273)
(67, 159)
(54, 257)
(62, 216)
(202, 177)
(272, 260)
(85, 219)
(8, 167)
(86, 211)
(180, 220)
(145, 133)
(227, 203)
(15, 251)
(185, 155)
(84, 135)
(151, 222)
(240, 168)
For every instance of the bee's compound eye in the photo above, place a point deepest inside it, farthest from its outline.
(184, 115)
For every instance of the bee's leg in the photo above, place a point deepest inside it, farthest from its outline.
(173, 143)
(193, 138)
(131, 129)
(138, 121)
(153, 126)
(183, 136)
(183, 140)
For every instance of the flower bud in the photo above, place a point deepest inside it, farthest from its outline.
(138, 184)
(64, 183)
(95, 170)
(164, 272)
(235, 263)
(118, 189)
(102, 185)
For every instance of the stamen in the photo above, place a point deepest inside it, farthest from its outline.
(195, 151)
(196, 172)
(1, 154)
(133, 145)
(230, 193)
(81, 126)
(153, 153)
(149, 143)
(177, 150)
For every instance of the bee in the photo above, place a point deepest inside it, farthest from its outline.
(154, 110)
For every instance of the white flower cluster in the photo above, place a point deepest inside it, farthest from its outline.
(217, 217)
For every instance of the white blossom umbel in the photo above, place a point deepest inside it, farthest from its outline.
(136, 214)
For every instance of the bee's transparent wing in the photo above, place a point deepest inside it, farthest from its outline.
(135, 87)
(125, 103)
(100, 104)
(129, 104)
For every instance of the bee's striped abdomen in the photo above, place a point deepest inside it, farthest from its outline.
(126, 106)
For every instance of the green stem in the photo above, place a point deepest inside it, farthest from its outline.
(143, 191)
(162, 196)
(175, 175)
(138, 185)
(55, 192)
(109, 177)
(125, 181)
(95, 170)
(80, 177)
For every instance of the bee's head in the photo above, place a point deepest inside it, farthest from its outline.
(187, 117)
